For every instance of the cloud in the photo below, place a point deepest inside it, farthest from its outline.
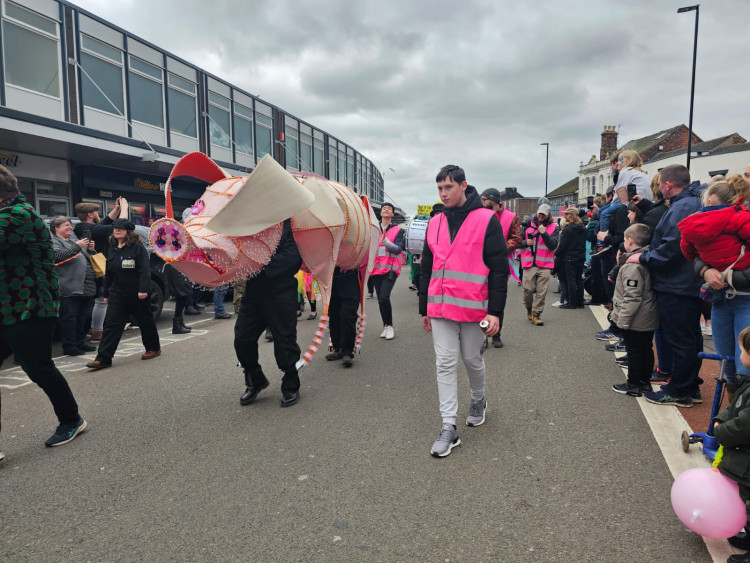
(415, 85)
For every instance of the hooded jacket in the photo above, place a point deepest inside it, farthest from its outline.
(734, 434)
(634, 302)
(494, 254)
(671, 272)
(717, 234)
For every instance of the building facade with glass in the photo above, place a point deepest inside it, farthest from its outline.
(89, 111)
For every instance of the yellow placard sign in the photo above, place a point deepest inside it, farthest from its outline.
(424, 209)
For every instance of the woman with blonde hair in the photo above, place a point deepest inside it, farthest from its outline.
(629, 173)
(571, 253)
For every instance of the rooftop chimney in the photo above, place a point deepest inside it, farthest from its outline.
(609, 142)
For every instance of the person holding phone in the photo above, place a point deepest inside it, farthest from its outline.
(629, 172)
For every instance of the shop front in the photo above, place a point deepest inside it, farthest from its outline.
(144, 192)
(45, 182)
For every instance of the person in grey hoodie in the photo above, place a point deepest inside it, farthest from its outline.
(77, 285)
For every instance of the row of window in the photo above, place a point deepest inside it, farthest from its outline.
(589, 185)
(122, 84)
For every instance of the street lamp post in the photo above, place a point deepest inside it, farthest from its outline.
(695, 8)
(546, 169)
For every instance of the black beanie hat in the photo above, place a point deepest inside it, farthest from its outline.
(123, 224)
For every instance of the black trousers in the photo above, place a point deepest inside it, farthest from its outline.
(74, 314)
(31, 342)
(345, 296)
(606, 263)
(258, 312)
(119, 309)
(574, 282)
(180, 302)
(640, 349)
(384, 285)
(679, 320)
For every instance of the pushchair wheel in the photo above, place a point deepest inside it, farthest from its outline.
(685, 440)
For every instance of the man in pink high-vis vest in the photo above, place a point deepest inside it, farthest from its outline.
(462, 293)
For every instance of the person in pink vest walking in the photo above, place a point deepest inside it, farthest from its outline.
(387, 266)
(463, 287)
(512, 233)
(537, 259)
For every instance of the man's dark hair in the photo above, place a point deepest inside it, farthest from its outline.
(678, 174)
(386, 204)
(455, 173)
(8, 183)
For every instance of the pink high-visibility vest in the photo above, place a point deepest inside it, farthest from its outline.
(385, 261)
(545, 258)
(506, 220)
(458, 288)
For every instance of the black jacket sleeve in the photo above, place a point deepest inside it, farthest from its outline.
(617, 233)
(425, 274)
(495, 256)
(562, 246)
(144, 269)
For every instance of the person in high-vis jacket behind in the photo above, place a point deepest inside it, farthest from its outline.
(463, 287)
(537, 260)
(387, 266)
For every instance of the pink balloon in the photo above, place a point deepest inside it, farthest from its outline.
(708, 503)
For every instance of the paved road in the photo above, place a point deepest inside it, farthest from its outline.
(172, 468)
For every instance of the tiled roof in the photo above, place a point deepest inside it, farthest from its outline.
(569, 187)
(709, 146)
(720, 150)
(645, 143)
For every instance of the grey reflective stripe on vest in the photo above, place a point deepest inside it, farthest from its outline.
(461, 276)
(458, 302)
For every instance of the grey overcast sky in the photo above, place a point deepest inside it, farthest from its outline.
(416, 84)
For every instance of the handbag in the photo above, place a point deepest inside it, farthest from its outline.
(98, 263)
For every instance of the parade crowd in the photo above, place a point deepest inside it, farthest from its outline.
(659, 254)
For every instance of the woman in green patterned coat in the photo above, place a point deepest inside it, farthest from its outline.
(29, 304)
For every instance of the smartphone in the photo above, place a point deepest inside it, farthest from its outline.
(631, 192)
(590, 202)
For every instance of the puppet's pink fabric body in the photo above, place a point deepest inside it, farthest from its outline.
(234, 228)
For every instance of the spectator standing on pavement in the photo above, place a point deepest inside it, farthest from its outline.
(219, 311)
(677, 288)
(714, 241)
(98, 230)
(572, 253)
(181, 288)
(77, 285)
(127, 284)
(537, 260)
(29, 304)
(342, 311)
(464, 282)
(387, 266)
(634, 312)
(732, 431)
(512, 233)
(270, 301)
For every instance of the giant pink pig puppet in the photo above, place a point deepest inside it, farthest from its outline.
(234, 228)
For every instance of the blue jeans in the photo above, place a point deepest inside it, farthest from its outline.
(219, 294)
(728, 318)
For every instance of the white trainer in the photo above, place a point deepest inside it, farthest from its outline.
(389, 333)
(384, 333)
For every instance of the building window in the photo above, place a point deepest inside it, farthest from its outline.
(319, 157)
(218, 124)
(306, 151)
(332, 160)
(146, 93)
(182, 112)
(290, 144)
(593, 185)
(342, 165)
(243, 129)
(103, 63)
(31, 51)
(263, 127)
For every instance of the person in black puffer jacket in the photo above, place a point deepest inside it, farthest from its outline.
(571, 251)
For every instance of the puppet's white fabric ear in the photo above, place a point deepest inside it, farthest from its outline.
(269, 195)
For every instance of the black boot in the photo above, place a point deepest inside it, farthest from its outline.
(178, 327)
(184, 327)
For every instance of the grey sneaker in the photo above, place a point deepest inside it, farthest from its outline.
(447, 440)
(476, 413)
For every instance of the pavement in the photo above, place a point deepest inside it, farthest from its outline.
(172, 468)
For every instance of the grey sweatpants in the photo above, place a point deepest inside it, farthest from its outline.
(450, 339)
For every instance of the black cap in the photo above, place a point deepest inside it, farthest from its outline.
(123, 224)
(437, 208)
(492, 194)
